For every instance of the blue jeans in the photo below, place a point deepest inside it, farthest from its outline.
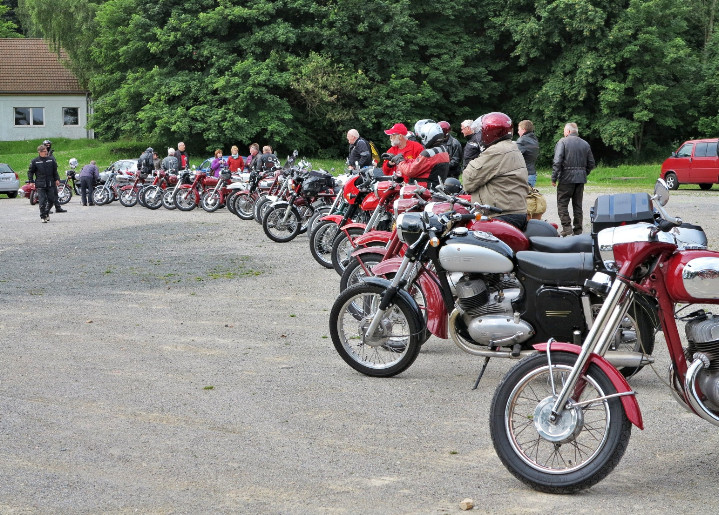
(532, 179)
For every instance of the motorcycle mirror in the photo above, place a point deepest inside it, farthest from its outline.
(661, 192)
(295, 153)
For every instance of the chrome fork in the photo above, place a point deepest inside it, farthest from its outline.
(386, 297)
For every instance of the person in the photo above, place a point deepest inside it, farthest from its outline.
(360, 155)
(529, 147)
(89, 175)
(401, 148)
(43, 170)
(183, 158)
(266, 160)
(50, 154)
(217, 163)
(156, 161)
(145, 164)
(473, 147)
(170, 162)
(430, 168)
(499, 176)
(235, 162)
(254, 150)
(573, 161)
(454, 148)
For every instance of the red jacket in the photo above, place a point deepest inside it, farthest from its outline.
(235, 164)
(410, 151)
(421, 167)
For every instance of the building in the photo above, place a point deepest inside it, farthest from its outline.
(39, 97)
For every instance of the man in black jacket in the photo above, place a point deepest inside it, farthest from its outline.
(454, 149)
(50, 154)
(360, 154)
(529, 147)
(573, 160)
(43, 170)
(474, 141)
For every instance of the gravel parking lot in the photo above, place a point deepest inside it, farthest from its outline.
(170, 362)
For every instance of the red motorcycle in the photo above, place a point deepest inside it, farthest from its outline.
(29, 191)
(561, 419)
(130, 192)
(151, 195)
(187, 196)
(213, 199)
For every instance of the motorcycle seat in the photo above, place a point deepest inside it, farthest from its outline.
(570, 269)
(579, 243)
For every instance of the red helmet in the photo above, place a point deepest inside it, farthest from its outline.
(445, 127)
(495, 127)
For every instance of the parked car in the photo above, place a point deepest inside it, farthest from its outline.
(205, 166)
(9, 181)
(695, 162)
(123, 167)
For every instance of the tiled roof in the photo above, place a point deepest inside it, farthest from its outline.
(28, 66)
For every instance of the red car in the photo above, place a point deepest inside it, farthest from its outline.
(695, 162)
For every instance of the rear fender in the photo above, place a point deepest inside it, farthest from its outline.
(629, 402)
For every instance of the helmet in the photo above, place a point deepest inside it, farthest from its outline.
(419, 124)
(47, 143)
(149, 150)
(431, 134)
(452, 185)
(73, 163)
(445, 127)
(495, 127)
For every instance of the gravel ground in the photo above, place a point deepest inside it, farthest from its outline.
(169, 362)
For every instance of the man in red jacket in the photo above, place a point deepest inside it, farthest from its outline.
(401, 146)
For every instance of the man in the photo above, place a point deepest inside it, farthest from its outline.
(264, 161)
(360, 154)
(430, 168)
(401, 148)
(251, 159)
(498, 176)
(183, 158)
(170, 162)
(89, 175)
(529, 147)
(145, 163)
(50, 154)
(474, 140)
(573, 161)
(43, 170)
(454, 148)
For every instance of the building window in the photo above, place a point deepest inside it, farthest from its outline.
(70, 116)
(29, 116)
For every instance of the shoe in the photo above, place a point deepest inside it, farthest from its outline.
(60, 210)
(92, 204)
(84, 205)
(47, 218)
(577, 232)
(44, 219)
(566, 232)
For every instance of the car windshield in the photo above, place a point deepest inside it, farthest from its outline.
(4, 168)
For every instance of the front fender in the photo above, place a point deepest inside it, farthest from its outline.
(629, 402)
(332, 218)
(373, 237)
(384, 283)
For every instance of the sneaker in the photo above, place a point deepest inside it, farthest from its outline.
(60, 210)
(47, 218)
(44, 219)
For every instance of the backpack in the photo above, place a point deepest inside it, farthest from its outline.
(536, 204)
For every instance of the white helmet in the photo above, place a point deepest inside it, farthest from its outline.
(73, 163)
(431, 134)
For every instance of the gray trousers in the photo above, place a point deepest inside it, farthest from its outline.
(575, 193)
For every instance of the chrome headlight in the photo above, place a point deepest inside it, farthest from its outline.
(410, 227)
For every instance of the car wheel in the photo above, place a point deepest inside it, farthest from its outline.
(705, 186)
(11, 194)
(671, 180)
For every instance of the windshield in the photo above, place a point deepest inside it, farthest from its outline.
(4, 168)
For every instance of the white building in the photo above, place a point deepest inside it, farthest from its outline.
(39, 97)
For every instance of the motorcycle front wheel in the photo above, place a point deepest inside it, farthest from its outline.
(185, 199)
(396, 342)
(571, 453)
(342, 248)
(34, 199)
(64, 193)
(244, 205)
(128, 196)
(321, 238)
(210, 201)
(358, 269)
(152, 197)
(277, 228)
(168, 199)
(100, 196)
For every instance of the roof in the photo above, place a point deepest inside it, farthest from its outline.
(21, 60)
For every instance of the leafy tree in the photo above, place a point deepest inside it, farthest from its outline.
(8, 27)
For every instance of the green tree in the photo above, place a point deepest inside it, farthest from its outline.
(8, 27)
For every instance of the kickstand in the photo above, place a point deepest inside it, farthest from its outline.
(481, 373)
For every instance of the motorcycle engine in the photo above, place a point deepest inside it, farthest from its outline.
(486, 301)
(702, 333)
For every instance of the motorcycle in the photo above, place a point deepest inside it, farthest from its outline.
(168, 197)
(68, 185)
(216, 197)
(561, 418)
(151, 195)
(130, 193)
(29, 191)
(106, 192)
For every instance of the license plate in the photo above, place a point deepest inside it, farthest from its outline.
(5, 178)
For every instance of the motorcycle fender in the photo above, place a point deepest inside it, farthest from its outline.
(373, 237)
(279, 203)
(189, 187)
(629, 402)
(369, 250)
(436, 310)
(384, 283)
(128, 187)
(332, 218)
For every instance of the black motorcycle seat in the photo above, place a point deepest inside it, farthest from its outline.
(579, 243)
(570, 269)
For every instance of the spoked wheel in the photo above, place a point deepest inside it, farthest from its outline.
(244, 206)
(100, 196)
(185, 199)
(152, 196)
(128, 196)
(634, 334)
(210, 201)
(342, 248)
(358, 269)
(141, 195)
(64, 193)
(571, 453)
(230, 202)
(306, 211)
(316, 216)
(394, 345)
(277, 228)
(168, 199)
(261, 206)
(321, 239)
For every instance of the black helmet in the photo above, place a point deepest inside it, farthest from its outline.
(47, 143)
(452, 185)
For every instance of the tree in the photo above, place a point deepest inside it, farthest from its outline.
(8, 27)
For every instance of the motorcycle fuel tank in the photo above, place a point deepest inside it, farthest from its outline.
(475, 252)
(693, 276)
(506, 232)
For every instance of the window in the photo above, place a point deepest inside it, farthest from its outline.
(701, 150)
(712, 150)
(70, 116)
(686, 150)
(29, 116)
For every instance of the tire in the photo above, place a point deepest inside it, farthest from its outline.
(11, 194)
(230, 202)
(315, 218)
(261, 205)
(586, 455)
(245, 206)
(671, 180)
(152, 196)
(210, 201)
(128, 196)
(635, 334)
(141, 195)
(64, 194)
(168, 199)
(34, 198)
(278, 231)
(342, 249)
(100, 196)
(356, 271)
(185, 199)
(321, 239)
(385, 356)
(706, 186)
(76, 188)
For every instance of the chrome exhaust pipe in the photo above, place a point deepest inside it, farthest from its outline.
(690, 389)
(628, 359)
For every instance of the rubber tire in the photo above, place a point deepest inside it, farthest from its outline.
(141, 195)
(11, 194)
(706, 186)
(187, 202)
(100, 196)
(618, 432)
(245, 205)
(413, 345)
(315, 218)
(128, 197)
(276, 212)
(34, 199)
(168, 199)
(369, 260)
(317, 237)
(230, 202)
(672, 182)
(157, 202)
(260, 207)
(338, 243)
(212, 205)
(65, 197)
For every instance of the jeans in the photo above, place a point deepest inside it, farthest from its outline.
(532, 180)
(575, 193)
(86, 187)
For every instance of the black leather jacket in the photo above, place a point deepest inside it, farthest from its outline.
(529, 147)
(43, 170)
(472, 149)
(454, 149)
(573, 160)
(360, 153)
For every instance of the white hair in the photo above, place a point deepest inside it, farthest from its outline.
(170, 151)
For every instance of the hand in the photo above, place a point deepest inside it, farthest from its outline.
(386, 156)
(554, 184)
(397, 158)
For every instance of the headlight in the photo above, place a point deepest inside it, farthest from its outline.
(409, 227)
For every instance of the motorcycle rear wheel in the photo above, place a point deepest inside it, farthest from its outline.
(276, 229)
(230, 202)
(64, 194)
(245, 205)
(168, 199)
(321, 239)
(594, 439)
(386, 355)
(34, 199)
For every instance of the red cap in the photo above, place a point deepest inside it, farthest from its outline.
(397, 128)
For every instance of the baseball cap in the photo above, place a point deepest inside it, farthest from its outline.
(397, 128)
